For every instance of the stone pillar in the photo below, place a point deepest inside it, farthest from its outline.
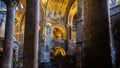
(96, 39)
(79, 43)
(79, 35)
(116, 37)
(8, 40)
(30, 51)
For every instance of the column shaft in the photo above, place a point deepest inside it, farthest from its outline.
(96, 39)
(8, 40)
(30, 52)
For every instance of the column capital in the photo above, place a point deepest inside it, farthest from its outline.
(11, 2)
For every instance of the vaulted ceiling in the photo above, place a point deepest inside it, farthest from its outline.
(57, 10)
(51, 10)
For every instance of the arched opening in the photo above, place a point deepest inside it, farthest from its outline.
(58, 56)
(57, 53)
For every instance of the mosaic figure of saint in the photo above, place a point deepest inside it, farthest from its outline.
(48, 30)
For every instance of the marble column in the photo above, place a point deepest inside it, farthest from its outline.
(30, 51)
(8, 40)
(96, 37)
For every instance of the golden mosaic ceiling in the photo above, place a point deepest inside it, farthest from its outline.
(53, 8)
(57, 10)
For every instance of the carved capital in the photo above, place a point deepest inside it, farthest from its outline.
(11, 2)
